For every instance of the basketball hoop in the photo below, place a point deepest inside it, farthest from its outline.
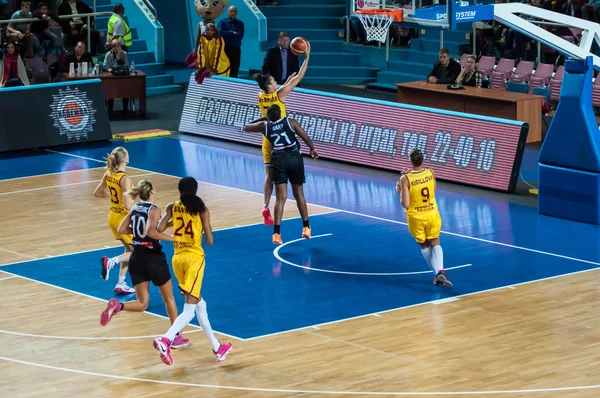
(377, 21)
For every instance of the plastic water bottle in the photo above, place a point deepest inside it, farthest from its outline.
(90, 70)
(79, 71)
(132, 69)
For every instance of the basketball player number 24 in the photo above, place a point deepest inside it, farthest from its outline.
(188, 228)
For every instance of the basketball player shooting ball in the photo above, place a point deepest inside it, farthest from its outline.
(271, 95)
(417, 192)
(286, 163)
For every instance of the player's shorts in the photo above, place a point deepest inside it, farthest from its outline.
(266, 151)
(189, 271)
(288, 166)
(148, 265)
(114, 220)
(425, 227)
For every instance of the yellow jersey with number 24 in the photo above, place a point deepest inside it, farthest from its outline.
(187, 230)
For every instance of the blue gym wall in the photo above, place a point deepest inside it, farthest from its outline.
(173, 15)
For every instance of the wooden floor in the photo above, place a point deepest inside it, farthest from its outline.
(542, 335)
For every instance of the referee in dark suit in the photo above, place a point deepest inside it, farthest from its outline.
(280, 62)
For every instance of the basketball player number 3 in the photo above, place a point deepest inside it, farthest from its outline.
(188, 228)
(425, 194)
(114, 198)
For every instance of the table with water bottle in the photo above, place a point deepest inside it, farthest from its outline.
(115, 86)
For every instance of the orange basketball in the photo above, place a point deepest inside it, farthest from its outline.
(299, 45)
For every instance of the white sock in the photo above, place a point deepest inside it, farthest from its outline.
(204, 322)
(437, 255)
(121, 280)
(115, 260)
(426, 252)
(182, 320)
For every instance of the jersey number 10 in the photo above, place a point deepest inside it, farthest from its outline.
(188, 228)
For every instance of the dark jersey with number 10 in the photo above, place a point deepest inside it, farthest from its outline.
(282, 136)
(140, 218)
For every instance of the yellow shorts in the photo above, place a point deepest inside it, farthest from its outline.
(266, 151)
(189, 271)
(114, 220)
(425, 228)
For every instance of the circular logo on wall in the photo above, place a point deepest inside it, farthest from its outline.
(73, 113)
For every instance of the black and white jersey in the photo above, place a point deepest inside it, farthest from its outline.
(282, 136)
(140, 216)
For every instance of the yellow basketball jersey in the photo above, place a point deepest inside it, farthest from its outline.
(422, 194)
(187, 230)
(113, 182)
(266, 100)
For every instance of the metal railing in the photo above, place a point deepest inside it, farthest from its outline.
(151, 7)
(86, 16)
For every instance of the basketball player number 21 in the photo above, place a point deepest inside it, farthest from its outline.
(188, 228)
(278, 137)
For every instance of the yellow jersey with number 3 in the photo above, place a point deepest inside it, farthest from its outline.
(266, 100)
(422, 194)
(113, 182)
(187, 230)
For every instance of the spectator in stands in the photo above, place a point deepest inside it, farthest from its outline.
(12, 69)
(118, 29)
(21, 32)
(280, 62)
(469, 75)
(445, 71)
(232, 31)
(79, 55)
(75, 29)
(116, 56)
(48, 40)
(210, 50)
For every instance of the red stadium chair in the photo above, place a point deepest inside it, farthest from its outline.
(556, 83)
(541, 77)
(501, 73)
(486, 65)
(523, 72)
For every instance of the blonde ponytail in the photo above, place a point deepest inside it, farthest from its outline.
(116, 157)
(142, 191)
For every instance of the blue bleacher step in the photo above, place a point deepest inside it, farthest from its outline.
(134, 33)
(151, 69)
(302, 3)
(159, 80)
(382, 87)
(142, 57)
(308, 34)
(433, 45)
(332, 59)
(341, 71)
(412, 55)
(397, 77)
(323, 46)
(304, 11)
(338, 80)
(295, 23)
(104, 8)
(98, 3)
(410, 67)
(162, 90)
(137, 46)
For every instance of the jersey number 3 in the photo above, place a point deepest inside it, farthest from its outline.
(114, 197)
(188, 228)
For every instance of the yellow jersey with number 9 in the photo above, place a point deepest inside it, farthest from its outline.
(187, 230)
(113, 182)
(422, 194)
(266, 100)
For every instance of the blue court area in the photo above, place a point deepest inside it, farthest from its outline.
(361, 260)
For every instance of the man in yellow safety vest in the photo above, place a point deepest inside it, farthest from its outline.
(118, 29)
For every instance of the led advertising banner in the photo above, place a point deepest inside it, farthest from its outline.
(469, 149)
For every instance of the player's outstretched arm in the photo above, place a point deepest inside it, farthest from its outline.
(295, 80)
(302, 134)
(258, 127)
(166, 220)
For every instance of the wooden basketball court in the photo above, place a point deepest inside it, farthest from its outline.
(534, 338)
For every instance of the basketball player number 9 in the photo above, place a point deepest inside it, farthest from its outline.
(425, 194)
(188, 228)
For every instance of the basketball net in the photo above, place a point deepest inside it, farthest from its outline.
(376, 24)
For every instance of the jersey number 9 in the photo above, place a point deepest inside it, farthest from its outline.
(425, 194)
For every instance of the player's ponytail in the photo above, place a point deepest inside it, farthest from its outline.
(142, 191)
(262, 80)
(116, 157)
(188, 187)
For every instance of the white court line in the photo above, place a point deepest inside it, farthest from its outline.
(65, 185)
(45, 336)
(278, 257)
(104, 301)
(8, 277)
(49, 174)
(18, 254)
(286, 391)
(358, 214)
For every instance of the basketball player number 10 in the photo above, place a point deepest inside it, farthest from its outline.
(188, 228)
